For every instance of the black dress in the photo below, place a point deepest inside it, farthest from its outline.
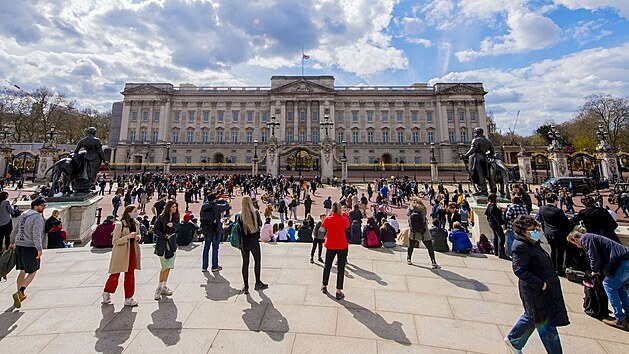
(54, 237)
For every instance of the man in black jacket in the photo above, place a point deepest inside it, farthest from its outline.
(212, 229)
(597, 220)
(556, 226)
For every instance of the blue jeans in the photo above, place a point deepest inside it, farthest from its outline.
(211, 240)
(616, 291)
(510, 237)
(282, 215)
(525, 326)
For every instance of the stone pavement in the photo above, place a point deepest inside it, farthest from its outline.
(390, 307)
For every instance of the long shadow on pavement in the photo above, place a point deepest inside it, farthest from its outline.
(111, 341)
(217, 288)
(457, 279)
(376, 323)
(272, 318)
(8, 319)
(165, 325)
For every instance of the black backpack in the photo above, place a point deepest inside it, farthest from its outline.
(208, 216)
(417, 223)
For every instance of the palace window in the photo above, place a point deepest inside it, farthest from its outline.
(464, 137)
(249, 117)
(340, 136)
(339, 117)
(156, 117)
(302, 136)
(154, 135)
(385, 137)
(206, 117)
(461, 116)
(315, 137)
(370, 137)
(369, 116)
(472, 116)
(385, 116)
(289, 116)
(176, 119)
(205, 136)
(263, 137)
(355, 137)
(431, 137)
(188, 159)
(235, 116)
(415, 137)
(356, 159)
(400, 117)
(417, 160)
(234, 137)
(219, 136)
(145, 116)
(400, 137)
(132, 135)
(315, 116)
(190, 137)
(450, 116)
(134, 116)
(221, 116)
(265, 117)
(175, 137)
(143, 135)
(191, 117)
(451, 137)
(355, 117)
(249, 137)
(428, 117)
(302, 116)
(414, 117)
(289, 137)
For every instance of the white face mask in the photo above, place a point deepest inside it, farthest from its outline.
(135, 215)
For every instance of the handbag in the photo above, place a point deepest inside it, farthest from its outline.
(236, 233)
(16, 212)
(7, 263)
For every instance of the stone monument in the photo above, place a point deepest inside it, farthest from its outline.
(524, 165)
(5, 151)
(558, 157)
(605, 154)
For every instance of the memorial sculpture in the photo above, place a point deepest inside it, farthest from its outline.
(484, 166)
(77, 173)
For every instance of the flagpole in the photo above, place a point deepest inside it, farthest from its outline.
(302, 60)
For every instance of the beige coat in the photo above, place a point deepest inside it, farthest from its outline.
(120, 253)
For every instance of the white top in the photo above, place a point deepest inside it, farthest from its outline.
(282, 235)
(394, 224)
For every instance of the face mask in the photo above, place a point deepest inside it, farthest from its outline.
(135, 215)
(534, 234)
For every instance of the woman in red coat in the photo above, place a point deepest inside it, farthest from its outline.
(336, 245)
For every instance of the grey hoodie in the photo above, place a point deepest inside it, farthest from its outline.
(28, 231)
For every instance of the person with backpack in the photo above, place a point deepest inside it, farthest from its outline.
(7, 212)
(281, 208)
(318, 236)
(387, 234)
(419, 232)
(26, 242)
(371, 234)
(186, 231)
(211, 227)
(166, 228)
(496, 220)
(125, 257)
(336, 245)
(116, 202)
(327, 205)
(250, 221)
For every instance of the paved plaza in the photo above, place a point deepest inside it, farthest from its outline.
(391, 307)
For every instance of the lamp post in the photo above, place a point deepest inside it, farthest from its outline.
(434, 169)
(4, 135)
(51, 136)
(344, 162)
(327, 124)
(5, 149)
(272, 124)
(167, 160)
(254, 170)
(554, 136)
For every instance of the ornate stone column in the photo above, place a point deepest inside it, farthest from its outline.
(255, 160)
(272, 157)
(524, 165)
(557, 155)
(434, 168)
(6, 151)
(608, 162)
(327, 159)
(47, 156)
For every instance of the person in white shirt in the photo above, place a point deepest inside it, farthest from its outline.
(394, 223)
(282, 234)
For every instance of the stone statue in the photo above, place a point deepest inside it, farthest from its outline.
(78, 172)
(478, 162)
(89, 162)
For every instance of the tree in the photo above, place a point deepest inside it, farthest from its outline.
(612, 113)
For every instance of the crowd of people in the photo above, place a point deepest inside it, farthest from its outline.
(279, 209)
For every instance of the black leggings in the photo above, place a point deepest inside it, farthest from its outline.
(316, 243)
(5, 234)
(557, 252)
(499, 239)
(340, 271)
(415, 243)
(250, 244)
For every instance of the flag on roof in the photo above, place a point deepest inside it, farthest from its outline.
(305, 56)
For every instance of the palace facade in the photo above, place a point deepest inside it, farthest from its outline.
(381, 125)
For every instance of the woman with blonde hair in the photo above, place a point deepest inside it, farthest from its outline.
(125, 256)
(250, 222)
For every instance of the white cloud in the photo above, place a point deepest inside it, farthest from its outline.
(527, 31)
(422, 41)
(550, 89)
(588, 31)
(621, 5)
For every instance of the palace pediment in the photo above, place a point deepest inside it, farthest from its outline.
(144, 89)
(302, 86)
(461, 89)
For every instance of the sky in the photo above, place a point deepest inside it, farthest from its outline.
(538, 57)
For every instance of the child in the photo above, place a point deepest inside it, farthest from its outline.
(465, 217)
(282, 235)
(484, 246)
(291, 232)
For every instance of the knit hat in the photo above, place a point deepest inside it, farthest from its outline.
(187, 217)
(110, 218)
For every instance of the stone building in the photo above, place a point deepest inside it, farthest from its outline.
(385, 126)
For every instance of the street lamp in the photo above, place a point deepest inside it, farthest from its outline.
(432, 153)
(601, 134)
(272, 124)
(554, 135)
(255, 149)
(5, 134)
(327, 124)
(344, 146)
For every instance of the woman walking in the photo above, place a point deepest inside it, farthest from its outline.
(166, 245)
(336, 245)
(540, 290)
(125, 256)
(250, 243)
(6, 225)
(418, 231)
(54, 231)
(495, 220)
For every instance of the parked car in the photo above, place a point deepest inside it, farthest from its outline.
(580, 185)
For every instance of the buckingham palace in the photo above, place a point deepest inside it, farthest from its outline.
(212, 127)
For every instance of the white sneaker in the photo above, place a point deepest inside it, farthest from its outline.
(436, 266)
(106, 298)
(510, 345)
(130, 302)
(166, 291)
(158, 294)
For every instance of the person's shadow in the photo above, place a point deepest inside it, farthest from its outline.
(165, 325)
(364, 273)
(217, 288)
(457, 279)
(376, 323)
(274, 318)
(8, 320)
(108, 341)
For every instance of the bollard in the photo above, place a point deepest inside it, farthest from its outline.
(99, 211)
